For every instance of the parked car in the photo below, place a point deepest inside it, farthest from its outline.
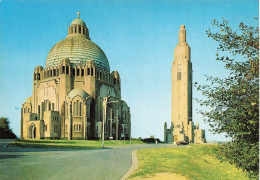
(180, 143)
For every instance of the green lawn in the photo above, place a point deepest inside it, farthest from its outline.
(72, 144)
(194, 162)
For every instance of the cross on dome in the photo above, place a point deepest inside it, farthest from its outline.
(78, 13)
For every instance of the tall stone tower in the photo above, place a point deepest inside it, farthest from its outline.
(182, 90)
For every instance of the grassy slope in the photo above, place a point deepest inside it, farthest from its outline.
(195, 162)
(72, 144)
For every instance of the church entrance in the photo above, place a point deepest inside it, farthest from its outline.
(32, 132)
(175, 138)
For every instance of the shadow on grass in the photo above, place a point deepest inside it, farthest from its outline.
(10, 156)
(35, 147)
(46, 141)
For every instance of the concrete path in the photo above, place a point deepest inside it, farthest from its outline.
(98, 164)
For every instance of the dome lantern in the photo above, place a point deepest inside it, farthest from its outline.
(78, 28)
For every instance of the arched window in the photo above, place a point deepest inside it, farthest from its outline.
(79, 29)
(77, 108)
(80, 106)
(91, 71)
(82, 72)
(63, 69)
(79, 127)
(75, 29)
(74, 109)
(179, 72)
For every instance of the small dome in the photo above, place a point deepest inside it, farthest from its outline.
(78, 92)
(124, 103)
(78, 22)
(28, 100)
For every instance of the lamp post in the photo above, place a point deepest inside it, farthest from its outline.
(117, 123)
(104, 116)
(130, 127)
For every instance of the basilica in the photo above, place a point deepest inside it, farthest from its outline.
(75, 96)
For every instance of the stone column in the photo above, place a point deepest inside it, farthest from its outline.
(104, 120)
(117, 124)
(129, 124)
(42, 110)
(69, 123)
(86, 122)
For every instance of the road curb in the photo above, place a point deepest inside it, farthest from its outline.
(133, 167)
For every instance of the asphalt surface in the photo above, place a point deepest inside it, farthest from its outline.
(4, 143)
(98, 164)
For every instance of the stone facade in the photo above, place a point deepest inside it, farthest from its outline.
(71, 93)
(182, 128)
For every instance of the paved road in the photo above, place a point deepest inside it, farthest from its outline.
(98, 164)
(4, 142)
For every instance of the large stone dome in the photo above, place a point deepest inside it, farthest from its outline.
(78, 48)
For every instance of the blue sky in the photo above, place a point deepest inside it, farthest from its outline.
(138, 38)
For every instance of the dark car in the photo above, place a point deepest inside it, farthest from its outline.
(180, 143)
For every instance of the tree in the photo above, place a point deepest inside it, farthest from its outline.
(232, 102)
(5, 131)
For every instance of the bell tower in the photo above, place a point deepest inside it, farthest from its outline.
(181, 105)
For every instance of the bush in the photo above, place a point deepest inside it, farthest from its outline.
(5, 131)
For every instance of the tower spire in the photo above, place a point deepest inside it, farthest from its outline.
(78, 13)
(182, 34)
